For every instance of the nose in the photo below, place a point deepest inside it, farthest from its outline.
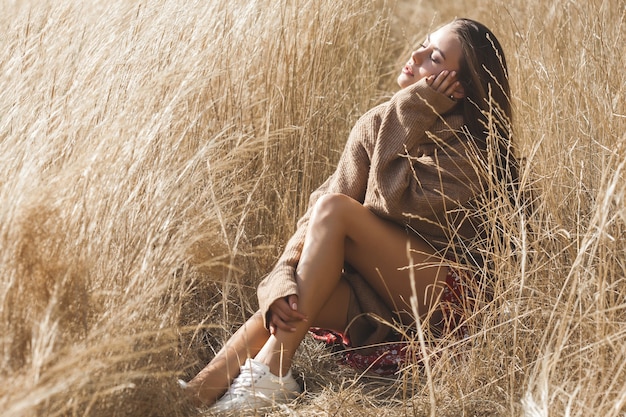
(417, 55)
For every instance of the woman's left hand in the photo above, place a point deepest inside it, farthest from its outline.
(284, 314)
(447, 84)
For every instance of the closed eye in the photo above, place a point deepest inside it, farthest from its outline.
(432, 55)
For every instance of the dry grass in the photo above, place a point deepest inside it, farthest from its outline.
(155, 155)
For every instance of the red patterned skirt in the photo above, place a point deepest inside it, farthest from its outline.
(388, 358)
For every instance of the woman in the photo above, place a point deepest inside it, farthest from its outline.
(382, 228)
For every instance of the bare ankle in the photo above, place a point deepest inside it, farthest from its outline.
(201, 395)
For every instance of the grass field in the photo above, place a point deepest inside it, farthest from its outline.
(156, 154)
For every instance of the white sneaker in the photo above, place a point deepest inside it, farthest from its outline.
(256, 388)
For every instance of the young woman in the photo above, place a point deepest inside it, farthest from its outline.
(381, 229)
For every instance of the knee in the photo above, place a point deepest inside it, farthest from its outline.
(332, 208)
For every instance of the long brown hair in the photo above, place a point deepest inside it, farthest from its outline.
(487, 104)
(488, 116)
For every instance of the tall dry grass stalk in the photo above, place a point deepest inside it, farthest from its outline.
(155, 155)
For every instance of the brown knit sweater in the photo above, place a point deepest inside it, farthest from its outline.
(407, 161)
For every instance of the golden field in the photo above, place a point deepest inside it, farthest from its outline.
(156, 154)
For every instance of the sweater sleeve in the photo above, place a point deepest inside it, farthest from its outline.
(349, 178)
(398, 181)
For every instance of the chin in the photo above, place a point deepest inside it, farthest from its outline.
(403, 82)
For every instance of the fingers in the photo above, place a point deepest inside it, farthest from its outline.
(292, 301)
(279, 324)
(447, 84)
(282, 322)
(285, 314)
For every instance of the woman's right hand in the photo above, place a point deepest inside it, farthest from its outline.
(446, 83)
(284, 314)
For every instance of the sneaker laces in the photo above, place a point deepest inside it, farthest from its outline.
(246, 380)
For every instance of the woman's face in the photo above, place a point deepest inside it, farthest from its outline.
(440, 51)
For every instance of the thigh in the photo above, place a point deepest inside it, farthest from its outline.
(334, 314)
(395, 262)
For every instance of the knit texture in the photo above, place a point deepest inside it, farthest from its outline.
(407, 161)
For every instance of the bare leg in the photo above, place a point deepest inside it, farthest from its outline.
(213, 381)
(341, 229)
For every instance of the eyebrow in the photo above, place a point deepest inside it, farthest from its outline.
(435, 48)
